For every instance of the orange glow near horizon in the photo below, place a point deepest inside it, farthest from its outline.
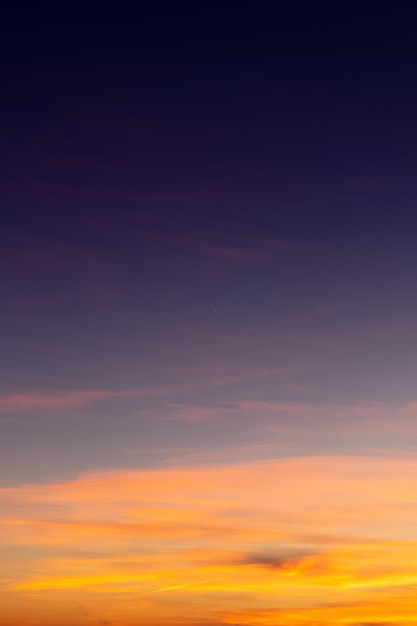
(301, 542)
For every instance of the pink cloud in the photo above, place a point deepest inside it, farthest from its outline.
(320, 420)
(64, 400)
(190, 413)
(26, 401)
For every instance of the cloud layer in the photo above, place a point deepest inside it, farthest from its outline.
(303, 541)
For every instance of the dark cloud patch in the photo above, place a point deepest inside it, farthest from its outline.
(275, 561)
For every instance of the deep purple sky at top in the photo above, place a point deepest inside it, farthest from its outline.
(192, 200)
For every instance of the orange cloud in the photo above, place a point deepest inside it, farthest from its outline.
(302, 541)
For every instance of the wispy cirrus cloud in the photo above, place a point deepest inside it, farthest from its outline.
(313, 539)
(276, 426)
(364, 425)
(59, 400)
(220, 255)
(21, 402)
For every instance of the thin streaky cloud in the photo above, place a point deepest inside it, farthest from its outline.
(26, 401)
(22, 402)
(301, 535)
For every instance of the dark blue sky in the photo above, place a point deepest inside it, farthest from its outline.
(204, 210)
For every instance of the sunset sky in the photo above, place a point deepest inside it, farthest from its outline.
(208, 270)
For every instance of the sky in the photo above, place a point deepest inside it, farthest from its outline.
(208, 306)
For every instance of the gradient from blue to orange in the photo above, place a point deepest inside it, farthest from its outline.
(208, 403)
